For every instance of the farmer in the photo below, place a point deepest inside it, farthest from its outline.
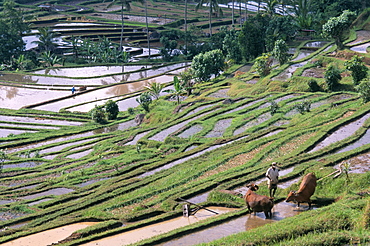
(272, 175)
(73, 90)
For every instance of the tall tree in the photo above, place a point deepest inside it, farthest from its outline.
(12, 25)
(125, 4)
(213, 8)
(302, 10)
(336, 27)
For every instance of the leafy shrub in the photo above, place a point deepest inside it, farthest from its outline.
(332, 77)
(280, 51)
(274, 107)
(364, 90)
(144, 100)
(314, 86)
(131, 111)
(358, 69)
(303, 107)
(111, 109)
(98, 115)
(263, 64)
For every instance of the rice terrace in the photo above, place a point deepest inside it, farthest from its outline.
(155, 122)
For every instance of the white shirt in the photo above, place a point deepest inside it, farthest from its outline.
(273, 173)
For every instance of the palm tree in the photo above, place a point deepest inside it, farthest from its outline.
(302, 10)
(125, 4)
(213, 8)
(46, 40)
(155, 89)
(270, 7)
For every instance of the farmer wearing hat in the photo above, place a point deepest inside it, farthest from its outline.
(272, 175)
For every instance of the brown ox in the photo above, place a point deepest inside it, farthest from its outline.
(258, 203)
(306, 190)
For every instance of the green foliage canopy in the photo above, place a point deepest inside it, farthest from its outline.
(207, 64)
(336, 27)
(12, 26)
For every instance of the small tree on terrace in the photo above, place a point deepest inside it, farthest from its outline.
(332, 77)
(111, 109)
(336, 27)
(155, 89)
(358, 69)
(364, 90)
(262, 64)
(98, 115)
(144, 100)
(207, 64)
(280, 51)
(178, 90)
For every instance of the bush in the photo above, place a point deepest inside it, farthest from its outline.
(98, 115)
(358, 69)
(274, 107)
(111, 109)
(263, 64)
(364, 90)
(314, 86)
(332, 77)
(303, 107)
(144, 100)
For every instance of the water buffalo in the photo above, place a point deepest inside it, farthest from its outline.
(306, 190)
(258, 203)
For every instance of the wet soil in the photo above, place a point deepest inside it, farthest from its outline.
(49, 237)
(244, 223)
(342, 133)
(156, 229)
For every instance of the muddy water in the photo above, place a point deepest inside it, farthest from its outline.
(318, 44)
(39, 120)
(243, 106)
(44, 80)
(254, 122)
(302, 54)
(190, 131)
(117, 90)
(157, 229)
(287, 73)
(90, 71)
(39, 144)
(137, 138)
(29, 126)
(197, 109)
(80, 154)
(365, 139)
(244, 223)
(342, 133)
(173, 163)
(62, 146)
(6, 132)
(163, 134)
(219, 128)
(361, 48)
(17, 97)
(288, 183)
(50, 236)
(55, 192)
(22, 165)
